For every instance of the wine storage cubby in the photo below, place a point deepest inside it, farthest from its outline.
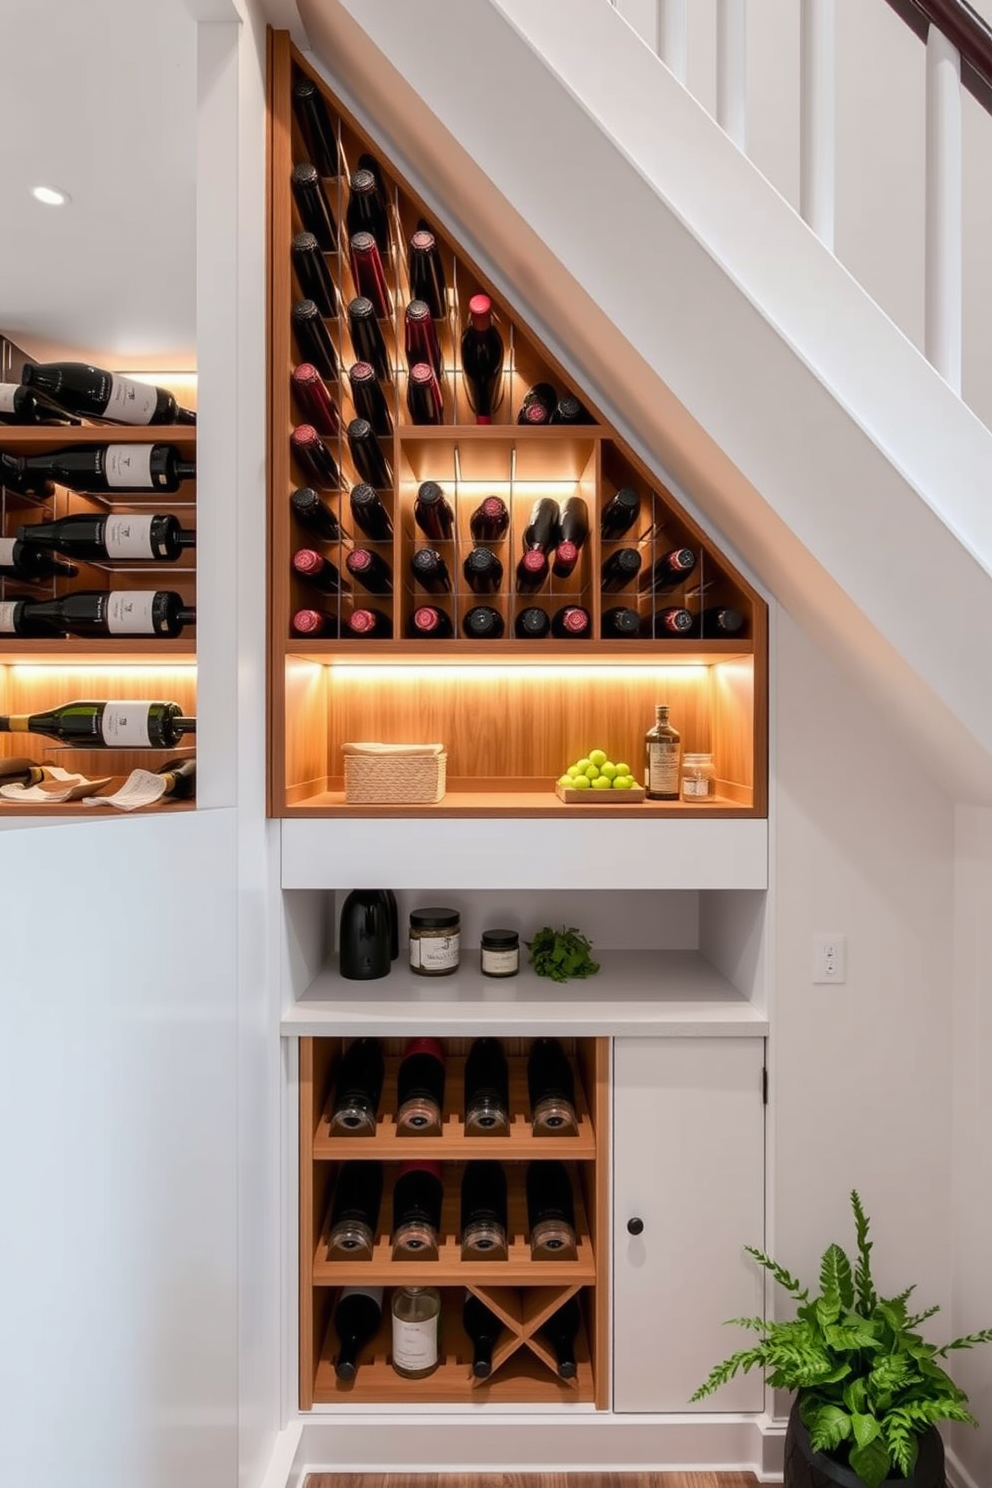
(648, 610)
(522, 1291)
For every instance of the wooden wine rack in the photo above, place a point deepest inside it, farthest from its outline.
(510, 734)
(521, 1291)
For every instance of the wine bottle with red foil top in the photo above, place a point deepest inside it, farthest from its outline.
(370, 570)
(424, 398)
(319, 572)
(482, 360)
(483, 571)
(719, 622)
(568, 410)
(358, 1089)
(103, 469)
(428, 623)
(19, 559)
(312, 273)
(123, 538)
(369, 399)
(314, 339)
(315, 624)
(433, 512)
(573, 529)
(668, 571)
(490, 521)
(550, 1210)
(22, 406)
(314, 208)
(17, 619)
(315, 458)
(532, 624)
(620, 569)
(572, 623)
(417, 1196)
(429, 570)
(355, 1209)
(483, 1223)
(367, 211)
(367, 453)
(316, 126)
(90, 392)
(532, 571)
(368, 273)
(313, 513)
(370, 514)
(483, 623)
(121, 724)
(427, 281)
(366, 336)
(674, 620)
(367, 624)
(539, 403)
(621, 623)
(619, 514)
(420, 341)
(543, 528)
(124, 612)
(315, 401)
(420, 1082)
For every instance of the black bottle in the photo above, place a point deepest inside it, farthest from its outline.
(482, 360)
(672, 621)
(420, 1088)
(371, 571)
(428, 623)
(668, 571)
(532, 571)
(424, 398)
(314, 624)
(369, 399)
(550, 1210)
(313, 206)
(483, 571)
(619, 570)
(483, 623)
(573, 529)
(355, 1209)
(103, 469)
(314, 398)
(487, 1089)
(551, 1089)
(356, 1321)
(316, 126)
(420, 341)
(313, 513)
(569, 410)
(620, 513)
(483, 1211)
(719, 622)
(18, 617)
(417, 1196)
(315, 458)
(543, 528)
(366, 451)
(621, 623)
(22, 405)
(125, 612)
(561, 1331)
(430, 571)
(367, 209)
(368, 624)
(19, 560)
(366, 336)
(364, 936)
(538, 404)
(313, 339)
(313, 274)
(358, 1089)
(370, 514)
(572, 623)
(427, 272)
(483, 1328)
(433, 512)
(532, 624)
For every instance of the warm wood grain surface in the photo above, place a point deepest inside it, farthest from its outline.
(532, 1480)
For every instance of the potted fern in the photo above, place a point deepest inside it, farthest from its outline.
(869, 1389)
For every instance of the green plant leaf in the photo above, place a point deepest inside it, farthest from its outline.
(921, 1317)
(756, 1324)
(871, 1462)
(743, 1361)
(835, 1278)
(888, 1374)
(866, 1428)
(855, 1395)
(828, 1426)
(780, 1274)
(862, 1272)
(967, 1341)
(849, 1337)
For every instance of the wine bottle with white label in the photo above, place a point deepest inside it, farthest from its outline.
(97, 539)
(20, 560)
(106, 725)
(21, 405)
(105, 469)
(126, 612)
(16, 619)
(93, 393)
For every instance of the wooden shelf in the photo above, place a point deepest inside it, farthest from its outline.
(541, 434)
(522, 803)
(15, 439)
(126, 651)
(519, 653)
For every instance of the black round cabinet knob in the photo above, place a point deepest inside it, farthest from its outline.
(635, 1226)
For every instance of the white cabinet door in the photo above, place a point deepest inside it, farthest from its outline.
(689, 1164)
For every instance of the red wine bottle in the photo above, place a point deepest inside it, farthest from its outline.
(20, 560)
(619, 570)
(371, 571)
(532, 570)
(312, 273)
(427, 280)
(89, 392)
(369, 399)
(424, 398)
(420, 337)
(369, 513)
(417, 1196)
(428, 623)
(532, 624)
(320, 573)
(106, 725)
(21, 405)
(568, 410)
(668, 572)
(490, 520)
(433, 512)
(314, 623)
(483, 1210)
(367, 624)
(620, 513)
(313, 338)
(430, 571)
(572, 623)
(573, 529)
(483, 1328)
(367, 210)
(561, 1331)
(355, 1209)
(483, 623)
(369, 274)
(621, 623)
(158, 538)
(550, 1208)
(366, 451)
(366, 337)
(550, 1089)
(319, 408)
(673, 621)
(482, 360)
(719, 622)
(315, 458)
(487, 1089)
(130, 612)
(483, 571)
(17, 619)
(358, 1089)
(539, 403)
(356, 1322)
(313, 206)
(316, 126)
(315, 515)
(420, 1087)
(542, 529)
(103, 469)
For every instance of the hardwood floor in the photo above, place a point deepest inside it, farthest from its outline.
(532, 1480)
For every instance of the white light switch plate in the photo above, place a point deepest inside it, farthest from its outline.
(829, 958)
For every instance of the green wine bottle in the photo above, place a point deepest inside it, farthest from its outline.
(107, 725)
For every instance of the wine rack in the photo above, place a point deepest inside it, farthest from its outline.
(522, 1291)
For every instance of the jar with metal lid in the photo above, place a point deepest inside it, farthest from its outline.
(435, 935)
(698, 777)
(500, 953)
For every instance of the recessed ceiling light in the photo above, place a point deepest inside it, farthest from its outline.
(51, 196)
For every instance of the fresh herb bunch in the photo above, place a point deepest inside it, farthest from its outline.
(869, 1386)
(561, 954)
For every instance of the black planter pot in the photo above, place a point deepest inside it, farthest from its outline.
(805, 1468)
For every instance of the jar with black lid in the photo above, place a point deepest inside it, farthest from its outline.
(500, 953)
(435, 935)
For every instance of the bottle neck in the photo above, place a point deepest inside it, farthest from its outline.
(184, 725)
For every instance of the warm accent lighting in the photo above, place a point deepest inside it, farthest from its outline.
(464, 672)
(51, 196)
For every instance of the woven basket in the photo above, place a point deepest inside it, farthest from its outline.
(394, 778)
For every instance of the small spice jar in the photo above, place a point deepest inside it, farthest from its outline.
(500, 953)
(435, 934)
(698, 777)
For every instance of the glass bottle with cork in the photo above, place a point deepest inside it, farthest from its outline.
(661, 766)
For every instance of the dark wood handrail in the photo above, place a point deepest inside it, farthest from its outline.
(965, 29)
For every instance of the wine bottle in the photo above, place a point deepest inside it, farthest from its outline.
(719, 622)
(424, 398)
(668, 572)
(355, 1209)
(550, 1209)
(130, 612)
(619, 569)
(672, 621)
(366, 337)
(573, 529)
(17, 619)
(314, 339)
(482, 360)
(371, 571)
(568, 410)
(314, 623)
(420, 337)
(483, 1328)
(572, 623)
(320, 573)
(487, 1089)
(313, 513)
(369, 399)
(356, 1321)
(98, 539)
(551, 1089)
(661, 765)
(312, 273)
(428, 623)
(620, 513)
(433, 512)
(369, 162)
(430, 571)
(104, 469)
(538, 404)
(483, 623)
(483, 1211)
(490, 520)
(313, 206)
(532, 570)
(21, 771)
(180, 778)
(21, 405)
(542, 529)
(106, 725)
(20, 559)
(416, 1332)
(358, 1089)
(532, 624)
(89, 392)
(315, 458)
(316, 126)
(369, 274)
(369, 513)
(417, 1196)
(366, 451)
(483, 571)
(561, 1330)
(621, 623)
(368, 624)
(427, 280)
(319, 408)
(367, 209)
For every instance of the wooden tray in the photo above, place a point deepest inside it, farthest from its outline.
(573, 797)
